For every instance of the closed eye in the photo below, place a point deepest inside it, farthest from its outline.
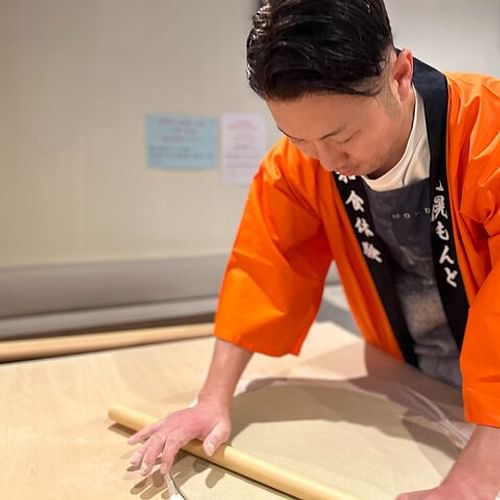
(344, 141)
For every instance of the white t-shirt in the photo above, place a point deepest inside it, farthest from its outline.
(414, 165)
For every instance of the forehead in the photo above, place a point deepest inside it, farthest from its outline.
(315, 115)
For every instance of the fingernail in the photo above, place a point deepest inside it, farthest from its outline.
(210, 449)
(135, 457)
(144, 469)
(163, 469)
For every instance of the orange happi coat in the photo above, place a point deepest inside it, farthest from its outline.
(295, 223)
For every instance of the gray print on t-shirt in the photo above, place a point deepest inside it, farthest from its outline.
(401, 218)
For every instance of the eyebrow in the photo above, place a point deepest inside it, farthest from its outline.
(330, 134)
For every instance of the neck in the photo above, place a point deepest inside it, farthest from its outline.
(405, 127)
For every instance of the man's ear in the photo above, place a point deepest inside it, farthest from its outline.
(402, 74)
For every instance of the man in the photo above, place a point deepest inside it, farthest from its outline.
(391, 169)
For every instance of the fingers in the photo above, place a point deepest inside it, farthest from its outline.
(161, 443)
(167, 436)
(218, 435)
(144, 433)
(151, 451)
(136, 458)
(173, 444)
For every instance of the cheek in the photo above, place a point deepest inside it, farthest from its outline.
(307, 150)
(361, 149)
(370, 146)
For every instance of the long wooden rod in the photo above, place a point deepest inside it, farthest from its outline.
(12, 350)
(240, 462)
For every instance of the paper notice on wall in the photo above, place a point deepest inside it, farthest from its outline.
(243, 146)
(176, 141)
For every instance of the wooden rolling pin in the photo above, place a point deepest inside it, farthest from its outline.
(12, 350)
(241, 463)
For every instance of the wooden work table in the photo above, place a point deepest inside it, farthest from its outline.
(56, 441)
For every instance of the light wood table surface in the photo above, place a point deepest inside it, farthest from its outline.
(56, 441)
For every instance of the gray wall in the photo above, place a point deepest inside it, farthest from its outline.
(78, 78)
(85, 226)
(453, 35)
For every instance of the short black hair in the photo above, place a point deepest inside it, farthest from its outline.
(299, 47)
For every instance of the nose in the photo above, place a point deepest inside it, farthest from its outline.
(330, 158)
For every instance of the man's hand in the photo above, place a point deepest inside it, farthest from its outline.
(207, 421)
(475, 475)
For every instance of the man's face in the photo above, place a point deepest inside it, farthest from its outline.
(352, 135)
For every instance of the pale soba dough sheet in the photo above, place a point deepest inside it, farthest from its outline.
(371, 444)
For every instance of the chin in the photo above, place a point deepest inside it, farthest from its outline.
(349, 171)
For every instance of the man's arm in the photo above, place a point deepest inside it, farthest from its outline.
(208, 420)
(228, 363)
(476, 473)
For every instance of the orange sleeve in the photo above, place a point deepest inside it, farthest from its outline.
(480, 357)
(274, 279)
